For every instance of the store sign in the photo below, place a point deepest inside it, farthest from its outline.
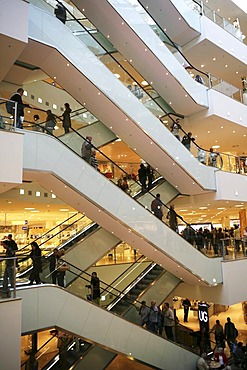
(203, 316)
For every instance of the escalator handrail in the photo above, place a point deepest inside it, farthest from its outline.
(172, 42)
(43, 345)
(134, 282)
(124, 272)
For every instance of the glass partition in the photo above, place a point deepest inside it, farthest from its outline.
(201, 8)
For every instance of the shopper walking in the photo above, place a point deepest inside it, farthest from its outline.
(230, 333)
(186, 305)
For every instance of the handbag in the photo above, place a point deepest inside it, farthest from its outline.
(62, 267)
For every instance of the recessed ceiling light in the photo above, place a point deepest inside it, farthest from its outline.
(216, 146)
(144, 83)
(226, 65)
(63, 209)
(214, 59)
(203, 207)
(202, 65)
(29, 208)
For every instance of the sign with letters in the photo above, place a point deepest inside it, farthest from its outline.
(203, 316)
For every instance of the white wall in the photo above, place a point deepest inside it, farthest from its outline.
(224, 39)
(14, 19)
(231, 186)
(10, 338)
(11, 154)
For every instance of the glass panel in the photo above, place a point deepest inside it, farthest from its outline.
(233, 29)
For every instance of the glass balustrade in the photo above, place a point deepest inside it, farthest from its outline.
(201, 8)
(6, 119)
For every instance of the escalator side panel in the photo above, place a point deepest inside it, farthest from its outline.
(100, 133)
(167, 193)
(99, 326)
(166, 14)
(163, 286)
(88, 251)
(97, 357)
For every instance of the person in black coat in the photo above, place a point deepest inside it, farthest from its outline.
(142, 172)
(53, 265)
(60, 12)
(17, 97)
(37, 264)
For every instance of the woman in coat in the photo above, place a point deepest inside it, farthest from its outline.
(66, 118)
(35, 255)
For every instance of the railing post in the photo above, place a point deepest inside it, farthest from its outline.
(214, 17)
(223, 248)
(243, 246)
(224, 23)
(209, 81)
(202, 7)
(15, 116)
(14, 277)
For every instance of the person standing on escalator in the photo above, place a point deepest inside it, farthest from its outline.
(86, 149)
(66, 118)
(60, 12)
(95, 288)
(35, 255)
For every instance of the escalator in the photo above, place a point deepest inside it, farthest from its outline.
(139, 280)
(85, 320)
(186, 95)
(85, 189)
(145, 132)
(88, 244)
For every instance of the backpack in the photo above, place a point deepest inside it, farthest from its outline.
(10, 107)
(13, 245)
(185, 140)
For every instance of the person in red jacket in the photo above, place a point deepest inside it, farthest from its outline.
(220, 357)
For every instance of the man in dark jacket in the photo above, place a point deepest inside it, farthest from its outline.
(156, 207)
(8, 276)
(17, 97)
